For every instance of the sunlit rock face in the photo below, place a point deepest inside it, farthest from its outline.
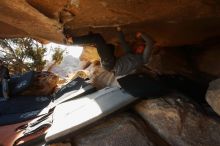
(43, 84)
(170, 23)
(19, 19)
(89, 54)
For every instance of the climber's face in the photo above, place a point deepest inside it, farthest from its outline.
(138, 47)
(69, 39)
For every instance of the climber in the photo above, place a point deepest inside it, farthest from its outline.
(134, 57)
(145, 85)
(4, 76)
(122, 65)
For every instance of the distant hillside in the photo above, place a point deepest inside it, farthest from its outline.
(67, 67)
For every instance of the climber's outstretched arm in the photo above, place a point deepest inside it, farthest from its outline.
(149, 43)
(122, 41)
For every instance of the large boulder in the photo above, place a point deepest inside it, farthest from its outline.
(179, 122)
(170, 23)
(118, 130)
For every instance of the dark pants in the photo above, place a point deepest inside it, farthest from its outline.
(144, 86)
(105, 51)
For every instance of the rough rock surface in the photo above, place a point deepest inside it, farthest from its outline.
(213, 95)
(43, 84)
(206, 60)
(170, 61)
(89, 54)
(170, 23)
(61, 144)
(179, 122)
(20, 19)
(119, 130)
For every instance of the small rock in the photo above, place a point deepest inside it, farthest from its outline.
(213, 95)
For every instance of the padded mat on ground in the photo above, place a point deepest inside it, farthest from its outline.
(19, 109)
(23, 104)
(8, 119)
(17, 84)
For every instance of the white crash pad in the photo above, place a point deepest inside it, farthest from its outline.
(75, 114)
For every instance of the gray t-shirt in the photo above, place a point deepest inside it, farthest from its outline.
(127, 64)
